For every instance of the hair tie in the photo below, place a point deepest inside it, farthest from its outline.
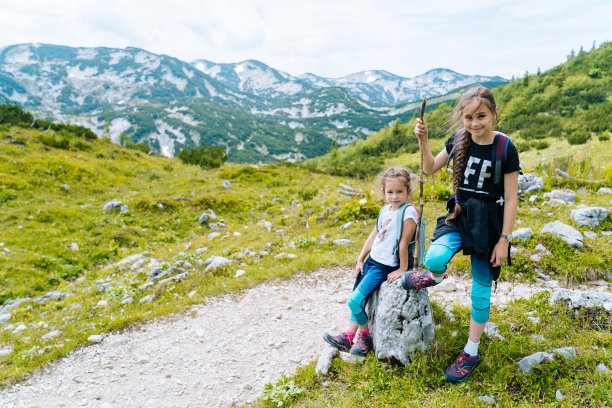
(456, 200)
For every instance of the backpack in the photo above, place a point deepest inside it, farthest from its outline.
(398, 235)
(499, 152)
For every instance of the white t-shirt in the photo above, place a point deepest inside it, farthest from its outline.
(384, 243)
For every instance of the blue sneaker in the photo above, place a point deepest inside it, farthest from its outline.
(419, 280)
(363, 344)
(461, 369)
(340, 341)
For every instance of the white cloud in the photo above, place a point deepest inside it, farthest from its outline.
(327, 38)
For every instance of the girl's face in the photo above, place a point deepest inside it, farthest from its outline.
(396, 192)
(478, 119)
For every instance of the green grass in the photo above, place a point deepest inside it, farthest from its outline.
(40, 219)
(377, 384)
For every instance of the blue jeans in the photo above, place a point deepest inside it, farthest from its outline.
(374, 274)
(439, 254)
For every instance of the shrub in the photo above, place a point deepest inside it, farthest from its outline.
(207, 157)
(579, 137)
(308, 194)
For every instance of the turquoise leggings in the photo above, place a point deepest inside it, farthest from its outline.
(438, 256)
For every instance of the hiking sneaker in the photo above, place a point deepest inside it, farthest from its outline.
(419, 280)
(340, 341)
(463, 366)
(362, 345)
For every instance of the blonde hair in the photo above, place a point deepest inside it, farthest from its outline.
(399, 173)
(485, 96)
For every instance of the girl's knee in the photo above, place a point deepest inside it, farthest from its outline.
(437, 257)
(354, 302)
(481, 302)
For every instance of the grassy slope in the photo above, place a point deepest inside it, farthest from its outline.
(39, 220)
(376, 384)
(572, 101)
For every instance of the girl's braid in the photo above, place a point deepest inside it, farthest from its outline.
(459, 164)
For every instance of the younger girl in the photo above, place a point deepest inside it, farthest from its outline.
(481, 214)
(383, 264)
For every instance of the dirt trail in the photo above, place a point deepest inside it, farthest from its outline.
(220, 353)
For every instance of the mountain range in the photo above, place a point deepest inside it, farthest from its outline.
(256, 112)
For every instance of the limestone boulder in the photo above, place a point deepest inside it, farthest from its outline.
(401, 322)
(570, 235)
(590, 216)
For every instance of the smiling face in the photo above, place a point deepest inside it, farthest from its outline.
(478, 120)
(396, 192)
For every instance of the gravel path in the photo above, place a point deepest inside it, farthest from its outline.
(218, 354)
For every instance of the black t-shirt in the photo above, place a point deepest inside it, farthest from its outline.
(478, 179)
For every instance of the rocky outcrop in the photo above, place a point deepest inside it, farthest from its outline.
(401, 322)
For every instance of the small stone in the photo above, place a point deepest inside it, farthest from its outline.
(147, 298)
(346, 226)
(604, 190)
(602, 369)
(51, 334)
(213, 235)
(535, 257)
(351, 358)
(127, 300)
(226, 184)
(487, 399)
(343, 242)
(325, 359)
(239, 273)
(559, 395)
(5, 317)
(74, 246)
(95, 338)
(66, 187)
(522, 234)
(590, 234)
(102, 303)
(491, 331)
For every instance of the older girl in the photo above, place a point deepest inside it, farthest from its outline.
(481, 213)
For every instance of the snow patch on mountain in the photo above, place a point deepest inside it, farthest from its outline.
(75, 72)
(117, 127)
(117, 56)
(164, 136)
(295, 125)
(340, 124)
(147, 60)
(86, 53)
(180, 83)
(20, 55)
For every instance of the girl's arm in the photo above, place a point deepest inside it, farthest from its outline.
(367, 247)
(431, 164)
(500, 252)
(407, 233)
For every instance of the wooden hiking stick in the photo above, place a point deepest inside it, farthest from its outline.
(418, 227)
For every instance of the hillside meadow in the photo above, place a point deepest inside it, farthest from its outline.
(274, 220)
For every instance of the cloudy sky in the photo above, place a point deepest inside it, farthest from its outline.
(329, 38)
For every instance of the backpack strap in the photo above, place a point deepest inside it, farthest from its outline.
(500, 150)
(382, 211)
(400, 222)
(456, 139)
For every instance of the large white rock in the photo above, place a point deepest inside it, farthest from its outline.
(529, 183)
(570, 235)
(565, 195)
(401, 322)
(577, 299)
(590, 216)
(522, 234)
(528, 363)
